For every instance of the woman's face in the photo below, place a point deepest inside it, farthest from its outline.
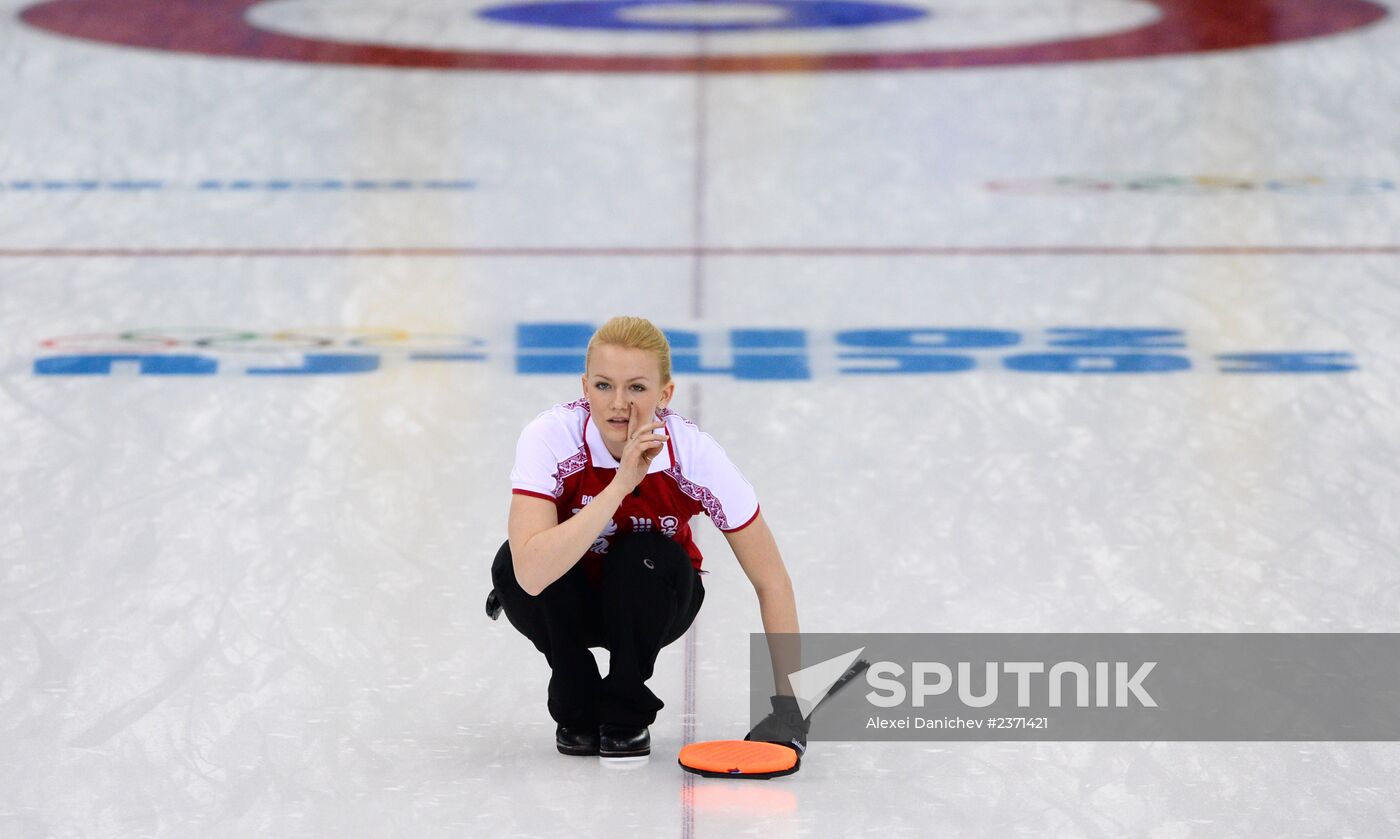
(618, 377)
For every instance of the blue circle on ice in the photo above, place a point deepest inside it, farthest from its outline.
(669, 15)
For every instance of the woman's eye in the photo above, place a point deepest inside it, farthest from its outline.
(639, 388)
(600, 385)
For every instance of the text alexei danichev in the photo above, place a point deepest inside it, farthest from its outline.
(956, 723)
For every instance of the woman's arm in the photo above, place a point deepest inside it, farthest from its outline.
(758, 555)
(542, 549)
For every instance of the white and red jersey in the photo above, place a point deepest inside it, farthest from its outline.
(561, 458)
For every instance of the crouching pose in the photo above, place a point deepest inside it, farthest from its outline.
(600, 551)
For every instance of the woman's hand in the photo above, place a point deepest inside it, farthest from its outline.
(643, 445)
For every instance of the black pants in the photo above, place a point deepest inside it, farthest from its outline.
(649, 596)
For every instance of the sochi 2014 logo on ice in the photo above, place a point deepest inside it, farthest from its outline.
(745, 354)
(687, 36)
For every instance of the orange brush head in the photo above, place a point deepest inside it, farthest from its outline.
(738, 759)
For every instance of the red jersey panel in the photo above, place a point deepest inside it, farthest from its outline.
(561, 458)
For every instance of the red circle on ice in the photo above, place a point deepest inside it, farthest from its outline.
(221, 28)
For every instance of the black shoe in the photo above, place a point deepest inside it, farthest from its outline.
(624, 741)
(493, 605)
(576, 740)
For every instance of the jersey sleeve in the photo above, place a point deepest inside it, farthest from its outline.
(722, 490)
(538, 454)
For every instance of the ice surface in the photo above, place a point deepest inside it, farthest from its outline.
(251, 604)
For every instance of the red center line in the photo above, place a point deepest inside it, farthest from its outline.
(697, 252)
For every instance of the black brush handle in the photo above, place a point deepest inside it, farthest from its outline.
(846, 678)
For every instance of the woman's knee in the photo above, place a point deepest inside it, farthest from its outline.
(503, 569)
(686, 616)
(561, 614)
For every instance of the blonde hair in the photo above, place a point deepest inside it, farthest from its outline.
(634, 334)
